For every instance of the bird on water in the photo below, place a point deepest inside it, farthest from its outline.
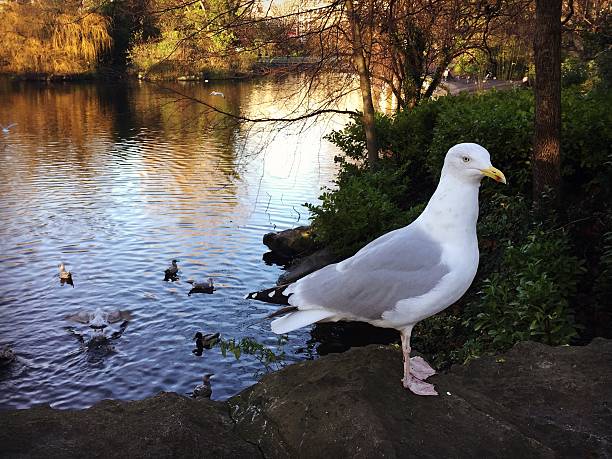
(405, 275)
(6, 129)
(65, 276)
(203, 390)
(171, 273)
(201, 287)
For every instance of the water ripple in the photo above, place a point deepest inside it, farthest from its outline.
(116, 195)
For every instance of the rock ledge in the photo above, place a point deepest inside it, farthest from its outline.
(533, 401)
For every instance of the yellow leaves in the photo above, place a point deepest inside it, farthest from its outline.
(45, 41)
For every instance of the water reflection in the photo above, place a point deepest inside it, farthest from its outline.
(118, 180)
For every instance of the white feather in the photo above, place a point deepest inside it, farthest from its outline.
(299, 319)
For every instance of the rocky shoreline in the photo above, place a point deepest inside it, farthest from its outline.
(533, 401)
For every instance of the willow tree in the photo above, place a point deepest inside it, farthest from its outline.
(37, 37)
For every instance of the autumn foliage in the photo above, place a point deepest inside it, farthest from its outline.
(38, 38)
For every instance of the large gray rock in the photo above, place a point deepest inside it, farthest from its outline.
(535, 401)
(167, 425)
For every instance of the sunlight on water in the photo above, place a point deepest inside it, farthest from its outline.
(116, 181)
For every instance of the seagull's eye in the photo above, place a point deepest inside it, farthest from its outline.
(466, 159)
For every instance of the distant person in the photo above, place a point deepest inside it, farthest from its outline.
(445, 74)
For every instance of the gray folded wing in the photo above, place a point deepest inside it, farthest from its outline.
(118, 316)
(403, 264)
(81, 317)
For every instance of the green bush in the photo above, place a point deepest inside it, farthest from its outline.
(528, 298)
(500, 121)
(361, 209)
(543, 276)
(573, 71)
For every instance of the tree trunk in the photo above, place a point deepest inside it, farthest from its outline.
(547, 132)
(364, 84)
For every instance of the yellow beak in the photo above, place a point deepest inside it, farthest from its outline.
(494, 173)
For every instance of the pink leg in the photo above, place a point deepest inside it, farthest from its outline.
(412, 378)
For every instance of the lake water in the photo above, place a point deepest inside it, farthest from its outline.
(116, 181)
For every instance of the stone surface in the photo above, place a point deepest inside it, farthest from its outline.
(535, 401)
(306, 265)
(167, 425)
(291, 243)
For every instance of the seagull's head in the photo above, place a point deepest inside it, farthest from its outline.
(471, 161)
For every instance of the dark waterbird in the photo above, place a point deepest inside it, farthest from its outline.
(171, 274)
(201, 287)
(205, 341)
(7, 356)
(203, 390)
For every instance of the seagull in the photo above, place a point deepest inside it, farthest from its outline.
(404, 276)
(5, 129)
(65, 276)
(203, 390)
(99, 319)
(201, 287)
(99, 330)
(217, 93)
(172, 272)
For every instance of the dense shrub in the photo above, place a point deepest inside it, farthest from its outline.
(360, 210)
(573, 71)
(543, 276)
(528, 297)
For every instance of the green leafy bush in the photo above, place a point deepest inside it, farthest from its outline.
(528, 298)
(533, 281)
(500, 121)
(361, 209)
(573, 71)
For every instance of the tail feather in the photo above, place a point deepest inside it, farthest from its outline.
(299, 319)
(282, 311)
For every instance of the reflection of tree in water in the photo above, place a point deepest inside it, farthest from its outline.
(170, 144)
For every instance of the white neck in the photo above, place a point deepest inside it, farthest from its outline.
(452, 211)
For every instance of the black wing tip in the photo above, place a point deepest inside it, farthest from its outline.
(272, 295)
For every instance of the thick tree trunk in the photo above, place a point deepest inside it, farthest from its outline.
(547, 133)
(364, 83)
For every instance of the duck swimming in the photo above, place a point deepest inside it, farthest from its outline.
(65, 276)
(205, 341)
(171, 274)
(7, 356)
(203, 390)
(201, 287)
